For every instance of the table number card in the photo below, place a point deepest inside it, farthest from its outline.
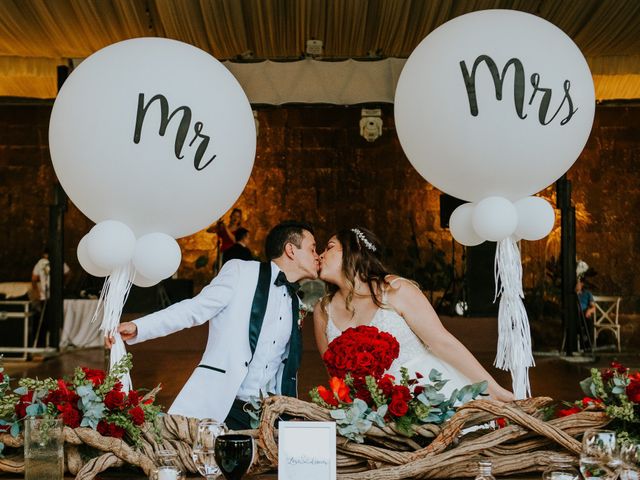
(307, 450)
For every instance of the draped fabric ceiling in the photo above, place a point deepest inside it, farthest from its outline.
(38, 35)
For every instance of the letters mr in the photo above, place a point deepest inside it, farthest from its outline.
(181, 134)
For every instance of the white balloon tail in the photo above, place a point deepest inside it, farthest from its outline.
(114, 293)
(514, 336)
(118, 351)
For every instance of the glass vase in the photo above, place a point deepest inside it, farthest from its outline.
(43, 449)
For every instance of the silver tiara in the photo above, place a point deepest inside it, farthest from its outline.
(364, 239)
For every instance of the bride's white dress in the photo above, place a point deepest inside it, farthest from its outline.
(414, 355)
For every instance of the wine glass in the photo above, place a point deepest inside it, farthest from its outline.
(629, 454)
(203, 448)
(599, 458)
(233, 454)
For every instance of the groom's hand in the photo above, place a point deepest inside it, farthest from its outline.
(127, 331)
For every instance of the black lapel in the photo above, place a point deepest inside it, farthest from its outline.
(259, 305)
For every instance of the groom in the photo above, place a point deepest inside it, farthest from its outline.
(254, 342)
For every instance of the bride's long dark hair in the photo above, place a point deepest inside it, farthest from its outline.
(361, 258)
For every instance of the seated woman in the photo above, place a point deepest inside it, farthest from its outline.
(362, 292)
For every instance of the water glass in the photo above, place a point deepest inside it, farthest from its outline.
(43, 449)
(203, 453)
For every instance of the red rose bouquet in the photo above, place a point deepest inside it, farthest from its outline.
(361, 351)
(91, 398)
(361, 394)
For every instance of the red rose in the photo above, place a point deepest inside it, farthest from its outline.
(386, 385)
(418, 390)
(569, 411)
(117, 387)
(327, 396)
(23, 402)
(110, 430)
(115, 400)
(95, 376)
(607, 375)
(137, 415)
(633, 391)
(398, 407)
(501, 422)
(586, 401)
(401, 392)
(1, 377)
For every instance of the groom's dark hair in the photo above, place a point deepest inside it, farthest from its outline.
(289, 231)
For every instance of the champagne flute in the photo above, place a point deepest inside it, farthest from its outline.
(233, 454)
(203, 448)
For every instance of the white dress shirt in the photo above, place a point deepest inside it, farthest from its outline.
(273, 344)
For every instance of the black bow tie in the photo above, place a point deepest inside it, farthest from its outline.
(292, 287)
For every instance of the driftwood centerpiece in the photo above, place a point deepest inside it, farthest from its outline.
(523, 445)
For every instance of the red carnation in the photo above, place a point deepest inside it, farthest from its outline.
(95, 376)
(110, 430)
(137, 415)
(501, 422)
(620, 368)
(133, 398)
(115, 400)
(1, 377)
(418, 390)
(70, 416)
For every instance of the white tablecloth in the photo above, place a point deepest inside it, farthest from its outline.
(77, 329)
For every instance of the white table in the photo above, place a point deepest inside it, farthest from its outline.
(77, 329)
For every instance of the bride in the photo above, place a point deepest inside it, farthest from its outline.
(362, 292)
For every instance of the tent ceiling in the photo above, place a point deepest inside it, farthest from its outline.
(36, 35)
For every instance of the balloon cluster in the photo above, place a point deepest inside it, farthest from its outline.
(153, 140)
(497, 218)
(112, 244)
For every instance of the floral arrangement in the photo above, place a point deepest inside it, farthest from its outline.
(616, 391)
(361, 394)
(91, 398)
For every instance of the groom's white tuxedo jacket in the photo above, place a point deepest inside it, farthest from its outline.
(226, 304)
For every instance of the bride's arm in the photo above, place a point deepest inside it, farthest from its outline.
(320, 328)
(414, 307)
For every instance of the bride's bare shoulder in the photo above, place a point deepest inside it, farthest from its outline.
(396, 283)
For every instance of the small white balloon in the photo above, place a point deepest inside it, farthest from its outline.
(85, 261)
(535, 218)
(141, 281)
(157, 256)
(110, 244)
(494, 218)
(461, 226)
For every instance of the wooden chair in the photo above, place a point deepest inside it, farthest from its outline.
(606, 317)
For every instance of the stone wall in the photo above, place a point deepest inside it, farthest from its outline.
(313, 164)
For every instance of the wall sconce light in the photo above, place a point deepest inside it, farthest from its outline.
(256, 121)
(371, 124)
(314, 48)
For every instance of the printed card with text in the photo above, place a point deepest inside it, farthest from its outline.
(307, 450)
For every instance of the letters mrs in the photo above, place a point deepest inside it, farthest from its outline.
(518, 89)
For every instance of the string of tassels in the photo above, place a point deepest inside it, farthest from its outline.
(514, 336)
(112, 298)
